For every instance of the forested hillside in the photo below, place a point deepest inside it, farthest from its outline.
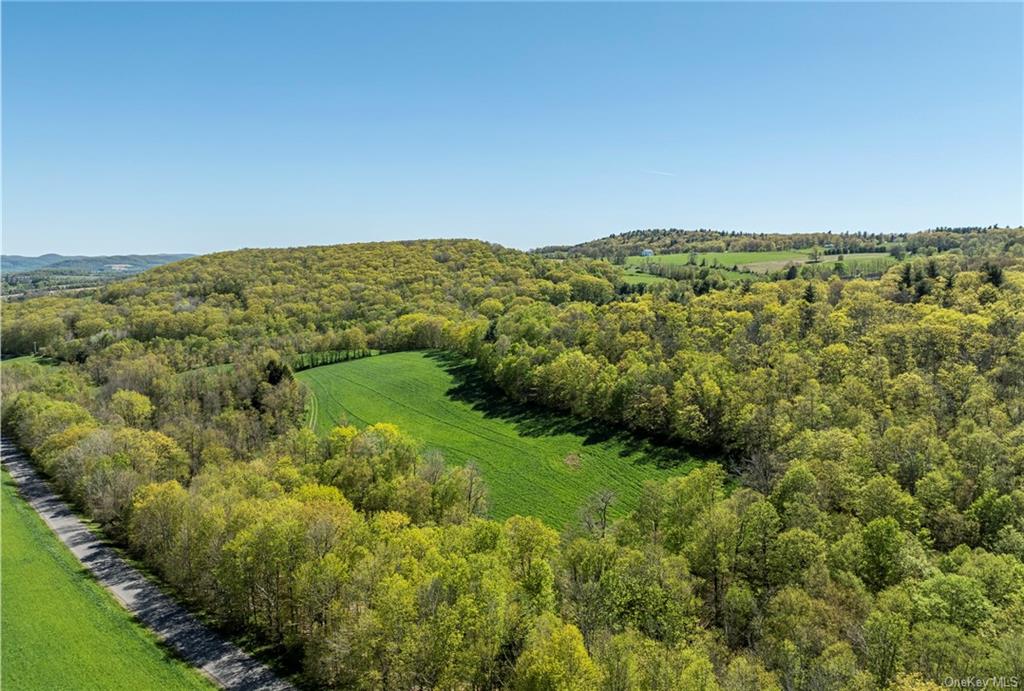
(865, 530)
(675, 241)
(206, 310)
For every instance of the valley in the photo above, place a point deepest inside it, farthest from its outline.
(348, 456)
(518, 346)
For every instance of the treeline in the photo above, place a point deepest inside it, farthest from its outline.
(866, 528)
(320, 358)
(370, 564)
(699, 279)
(677, 241)
(208, 310)
(616, 248)
(843, 267)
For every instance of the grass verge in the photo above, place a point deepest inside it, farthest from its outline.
(60, 628)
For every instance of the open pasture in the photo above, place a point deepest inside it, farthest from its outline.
(761, 262)
(535, 462)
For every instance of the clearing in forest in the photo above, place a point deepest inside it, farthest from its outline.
(766, 262)
(535, 462)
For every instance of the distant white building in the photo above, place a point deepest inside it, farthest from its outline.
(647, 253)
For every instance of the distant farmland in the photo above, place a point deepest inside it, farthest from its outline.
(764, 262)
(534, 462)
(633, 274)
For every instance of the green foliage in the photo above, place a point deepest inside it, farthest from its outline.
(555, 659)
(885, 636)
(864, 527)
(62, 629)
(526, 455)
(883, 546)
(132, 407)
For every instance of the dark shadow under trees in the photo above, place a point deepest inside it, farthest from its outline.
(531, 420)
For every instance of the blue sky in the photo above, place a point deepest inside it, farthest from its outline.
(197, 127)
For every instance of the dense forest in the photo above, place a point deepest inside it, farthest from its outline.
(864, 530)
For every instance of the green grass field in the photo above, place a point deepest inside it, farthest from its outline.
(763, 262)
(528, 456)
(7, 362)
(25, 360)
(61, 629)
(867, 262)
(634, 275)
(727, 259)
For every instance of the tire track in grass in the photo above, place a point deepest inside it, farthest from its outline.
(517, 448)
(311, 417)
(326, 388)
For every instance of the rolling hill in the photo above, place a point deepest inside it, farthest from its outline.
(119, 263)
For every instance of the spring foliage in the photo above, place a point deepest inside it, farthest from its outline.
(865, 531)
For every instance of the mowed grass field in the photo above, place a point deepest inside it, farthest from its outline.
(634, 275)
(61, 629)
(724, 259)
(534, 462)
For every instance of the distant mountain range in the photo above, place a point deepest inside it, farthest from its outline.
(121, 263)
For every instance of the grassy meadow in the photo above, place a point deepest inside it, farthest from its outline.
(633, 274)
(61, 629)
(723, 258)
(535, 462)
(763, 262)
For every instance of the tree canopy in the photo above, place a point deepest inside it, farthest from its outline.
(864, 530)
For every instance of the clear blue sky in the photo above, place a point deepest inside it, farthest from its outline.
(197, 127)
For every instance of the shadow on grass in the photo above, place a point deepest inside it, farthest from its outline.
(534, 421)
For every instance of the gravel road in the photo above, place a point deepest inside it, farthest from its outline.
(200, 646)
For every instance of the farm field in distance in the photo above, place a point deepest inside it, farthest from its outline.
(763, 262)
(512, 347)
(723, 258)
(61, 629)
(534, 462)
(634, 274)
